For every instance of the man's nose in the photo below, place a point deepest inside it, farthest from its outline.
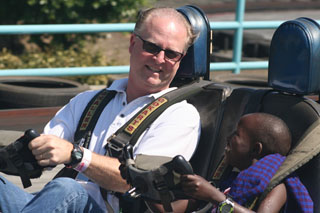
(160, 56)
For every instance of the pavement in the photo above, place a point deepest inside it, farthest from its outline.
(8, 136)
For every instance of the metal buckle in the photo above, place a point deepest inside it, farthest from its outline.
(113, 144)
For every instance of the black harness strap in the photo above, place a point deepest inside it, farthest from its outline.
(87, 123)
(131, 131)
(91, 115)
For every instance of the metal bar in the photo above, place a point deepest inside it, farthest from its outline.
(221, 66)
(230, 25)
(65, 28)
(121, 27)
(217, 66)
(69, 71)
(238, 37)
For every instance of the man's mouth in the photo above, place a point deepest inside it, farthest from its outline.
(152, 69)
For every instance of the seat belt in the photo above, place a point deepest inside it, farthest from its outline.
(131, 131)
(307, 149)
(86, 124)
(91, 115)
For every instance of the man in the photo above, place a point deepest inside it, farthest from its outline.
(257, 148)
(160, 40)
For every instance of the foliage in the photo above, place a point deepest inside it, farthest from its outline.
(68, 11)
(60, 50)
(64, 12)
(57, 57)
(8, 60)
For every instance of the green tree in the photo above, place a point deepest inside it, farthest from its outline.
(68, 11)
(63, 12)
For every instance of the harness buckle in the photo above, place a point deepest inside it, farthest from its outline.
(115, 144)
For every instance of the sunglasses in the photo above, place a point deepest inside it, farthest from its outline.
(155, 49)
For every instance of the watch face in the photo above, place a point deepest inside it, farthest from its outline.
(78, 155)
(226, 206)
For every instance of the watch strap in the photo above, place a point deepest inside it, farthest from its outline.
(76, 156)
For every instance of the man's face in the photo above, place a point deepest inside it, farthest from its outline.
(154, 72)
(239, 147)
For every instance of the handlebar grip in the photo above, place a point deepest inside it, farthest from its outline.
(182, 166)
(30, 134)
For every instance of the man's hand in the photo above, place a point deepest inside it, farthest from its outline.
(50, 150)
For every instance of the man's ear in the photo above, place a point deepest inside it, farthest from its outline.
(132, 42)
(257, 150)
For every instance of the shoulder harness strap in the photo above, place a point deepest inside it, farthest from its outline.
(87, 123)
(131, 131)
(91, 115)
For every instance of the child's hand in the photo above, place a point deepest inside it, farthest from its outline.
(199, 188)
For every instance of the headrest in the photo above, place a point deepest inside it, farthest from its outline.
(294, 60)
(196, 62)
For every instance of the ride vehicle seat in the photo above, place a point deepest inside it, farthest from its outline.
(294, 73)
(293, 76)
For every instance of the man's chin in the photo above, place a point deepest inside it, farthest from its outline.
(156, 84)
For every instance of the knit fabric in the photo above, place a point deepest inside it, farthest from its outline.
(250, 183)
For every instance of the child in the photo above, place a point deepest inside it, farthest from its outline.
(256, 148)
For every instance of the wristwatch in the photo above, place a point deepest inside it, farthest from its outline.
(226, 206)
(76, 156)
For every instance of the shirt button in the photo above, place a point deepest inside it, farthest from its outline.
(123, 103)
(122, 115)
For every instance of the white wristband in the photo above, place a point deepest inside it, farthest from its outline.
(85, 162)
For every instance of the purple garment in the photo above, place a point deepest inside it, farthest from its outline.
(250, 183)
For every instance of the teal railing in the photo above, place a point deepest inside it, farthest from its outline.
(236, 65)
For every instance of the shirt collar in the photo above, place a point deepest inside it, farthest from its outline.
(120, 85)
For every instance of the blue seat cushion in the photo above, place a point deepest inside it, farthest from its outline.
(294, 62)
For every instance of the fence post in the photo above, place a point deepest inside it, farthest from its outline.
(237, 41)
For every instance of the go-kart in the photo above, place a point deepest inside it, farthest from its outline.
(293, 76)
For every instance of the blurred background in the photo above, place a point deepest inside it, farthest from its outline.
(105, 49)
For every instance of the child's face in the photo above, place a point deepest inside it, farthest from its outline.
(238, 150)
